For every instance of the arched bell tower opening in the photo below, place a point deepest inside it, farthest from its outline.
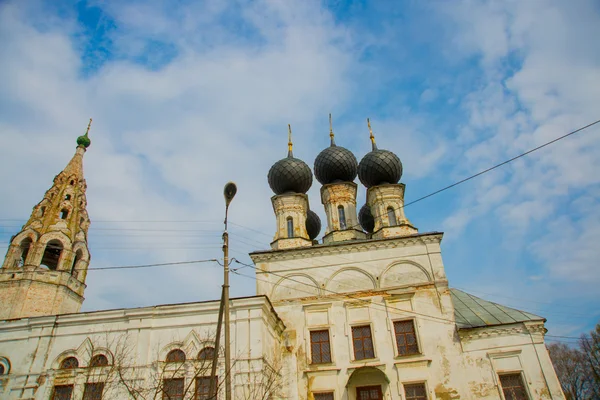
(51, 256)
(45, 266)
(24, 251)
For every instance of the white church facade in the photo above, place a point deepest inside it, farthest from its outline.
(364, 314)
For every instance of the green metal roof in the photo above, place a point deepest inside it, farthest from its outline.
(473, 312)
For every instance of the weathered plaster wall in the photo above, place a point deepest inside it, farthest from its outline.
(36, 346)
(376, 283)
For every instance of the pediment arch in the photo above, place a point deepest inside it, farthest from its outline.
(403, 272)
(295, 285)
(350, 279)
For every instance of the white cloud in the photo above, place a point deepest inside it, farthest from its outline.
(536, 76)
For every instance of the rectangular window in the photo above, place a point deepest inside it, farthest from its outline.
(93, 391)
(369, 393)
(320, 349)
(203, 387)
(406, 338)
(62, 392)
(363, 342)
(415, 391)
(513, 387)
(173, 389)
(323, 396)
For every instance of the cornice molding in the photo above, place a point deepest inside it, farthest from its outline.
(346, 247)
(498, 330)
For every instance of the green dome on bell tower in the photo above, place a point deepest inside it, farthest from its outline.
(84, 140)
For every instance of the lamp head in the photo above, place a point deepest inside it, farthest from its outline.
(229, 192)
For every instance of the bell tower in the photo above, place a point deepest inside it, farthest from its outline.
(46, 263)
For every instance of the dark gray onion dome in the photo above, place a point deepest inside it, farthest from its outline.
(379, 167)
(313, 224)
(290, 175)
(366, 219)
(335, 164)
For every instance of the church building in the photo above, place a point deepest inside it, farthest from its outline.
(363, 313)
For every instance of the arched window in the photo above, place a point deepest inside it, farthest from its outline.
(64, 213)
(72, 182)
(290, 227)
(175, 356)
(206, 353)
(52, 254)
(43, 211)
(78, 256)
(4, 366)
(392, 216)
(342, 217)
(99, 360)
(69, 363)
(68, 197)
(25, 246)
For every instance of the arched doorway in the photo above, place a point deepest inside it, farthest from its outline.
(367, 383)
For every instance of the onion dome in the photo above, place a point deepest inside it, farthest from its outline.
(366, 219)
(335, 164)
(290, 174)
(379, 166)
(313, 224)
(84, 140)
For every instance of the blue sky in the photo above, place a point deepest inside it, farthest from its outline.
(188, 95)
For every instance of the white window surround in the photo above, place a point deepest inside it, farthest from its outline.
(512, 353)
(397, 354)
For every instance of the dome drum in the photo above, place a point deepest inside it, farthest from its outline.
(387, 212)
(291, 213)
(339, 200)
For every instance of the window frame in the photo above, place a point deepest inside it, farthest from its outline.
(342, 219)
(166, 396)
(324, 392)
(63, 367)
(395, 337)
(523, 382)
(94, 361)
(391, 212)
(90, 384)
(289, 224)
(360, 325)
(54, 387)
(196, 395)
(424, 383)
(173, 351)
(320, 329)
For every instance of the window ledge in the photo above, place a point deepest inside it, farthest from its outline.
(322, 368)
(418, 360)
(374, 364)
(365, 361)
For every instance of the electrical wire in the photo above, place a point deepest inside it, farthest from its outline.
(396, 310)
(13, 271)
(488, 169)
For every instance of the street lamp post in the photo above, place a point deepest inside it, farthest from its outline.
(229, 192)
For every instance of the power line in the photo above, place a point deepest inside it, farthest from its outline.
(355, 287)
(492, 168)
(125, 266)
(404, 206)
(387, 308)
